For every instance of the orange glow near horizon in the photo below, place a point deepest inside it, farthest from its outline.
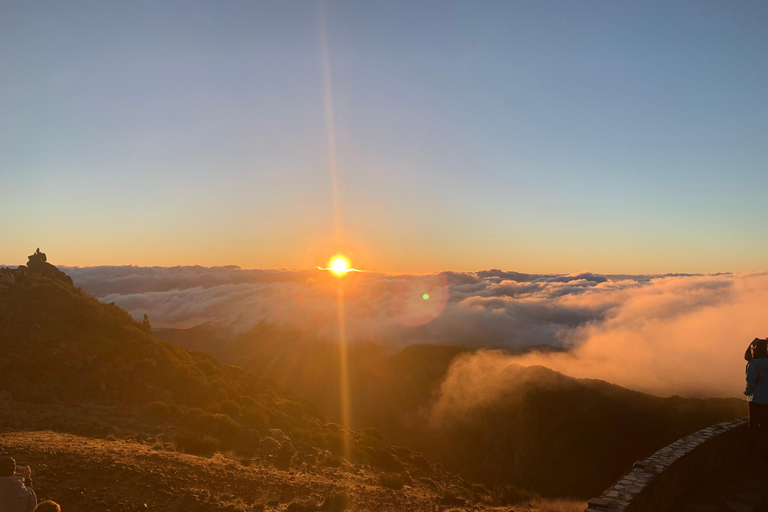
(339, 265)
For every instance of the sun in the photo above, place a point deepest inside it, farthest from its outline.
(339, 265)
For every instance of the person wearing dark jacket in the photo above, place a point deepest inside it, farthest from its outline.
(16, 493)
(757, 394)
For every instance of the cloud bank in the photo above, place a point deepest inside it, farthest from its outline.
(672, 334)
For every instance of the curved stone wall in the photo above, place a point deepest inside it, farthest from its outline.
(655, 483)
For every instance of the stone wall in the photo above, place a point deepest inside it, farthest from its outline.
(655, 483)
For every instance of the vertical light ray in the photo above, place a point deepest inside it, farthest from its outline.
(330, 128)
(330, 124)
(346, 405)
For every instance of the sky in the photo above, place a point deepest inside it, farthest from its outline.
(543, 137)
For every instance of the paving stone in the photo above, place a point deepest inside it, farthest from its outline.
(598, 503)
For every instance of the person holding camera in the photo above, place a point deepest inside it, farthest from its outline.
(757, 394)
(16, 493)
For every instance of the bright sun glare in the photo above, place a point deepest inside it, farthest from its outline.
(339, 265)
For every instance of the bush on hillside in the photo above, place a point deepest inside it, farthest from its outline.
(230, 408)
(338, 502)
(196, 444)
(258, 419)
(508, 494)
(157, 409)
(284, 454)
(392, 480)
(302, 506)
(331, 461)
(217, 425)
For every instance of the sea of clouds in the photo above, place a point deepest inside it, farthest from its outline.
(670, 334)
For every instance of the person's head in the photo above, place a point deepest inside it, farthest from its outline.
(47, 506)
(7, 466)
(759, 349)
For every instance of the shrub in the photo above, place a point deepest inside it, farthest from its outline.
(421, 462)
(302, 506)
(157, 409)
(192, 414)
(258, 419)
(452, 498)
(392, 480)
(278, 419)
(230, 408)
(268, 447)
(331, 461)
(334, 441)
(285, 454)
(508, 494)
(385, 460)
(196, 444)
(373, 434)
(338, 502)
(217, 425)
(430, 483)
(248, 401)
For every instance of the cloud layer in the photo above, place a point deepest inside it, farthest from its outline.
(674, 334)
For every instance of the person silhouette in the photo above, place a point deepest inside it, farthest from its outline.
(16, 493)
(757, 394)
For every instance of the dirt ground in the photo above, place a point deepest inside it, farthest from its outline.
(86, 474)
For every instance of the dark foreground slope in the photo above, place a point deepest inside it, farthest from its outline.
(543, 430)
(550, 432)
(148, 421)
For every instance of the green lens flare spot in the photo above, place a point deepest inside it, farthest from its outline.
(425, 296)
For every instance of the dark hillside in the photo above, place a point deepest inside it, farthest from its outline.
(566, 436)
(545, 431)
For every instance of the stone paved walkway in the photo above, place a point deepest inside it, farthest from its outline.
(739, 489)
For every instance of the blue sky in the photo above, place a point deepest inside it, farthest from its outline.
(536, 136)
